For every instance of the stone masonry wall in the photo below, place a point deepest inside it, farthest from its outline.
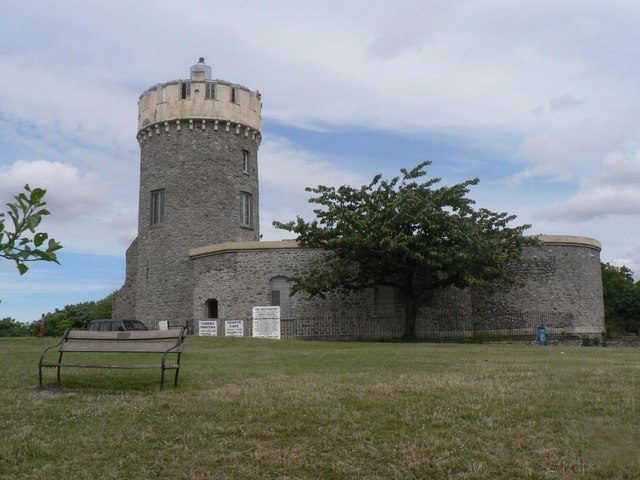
(124, 300)
(201, 171)
(563, 289)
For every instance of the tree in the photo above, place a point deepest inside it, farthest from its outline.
(407, 234)
(621, 299)
(20, 242)
(75, 316)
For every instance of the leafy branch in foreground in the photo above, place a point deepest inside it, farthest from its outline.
(19, 240)
(408, 234)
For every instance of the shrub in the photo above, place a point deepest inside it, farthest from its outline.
(10, 327)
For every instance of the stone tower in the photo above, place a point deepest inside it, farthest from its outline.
(199, 142)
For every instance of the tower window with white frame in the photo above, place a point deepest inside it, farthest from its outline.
(246, 208)
(157, 206)
(185, 90)
(245, 161)
(210, 91)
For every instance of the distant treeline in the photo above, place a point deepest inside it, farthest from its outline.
(75, 316)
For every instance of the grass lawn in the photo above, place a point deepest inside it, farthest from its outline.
(284, 409)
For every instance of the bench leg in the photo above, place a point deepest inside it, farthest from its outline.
(40, 375)
(162, 378)
(59, 360)
(175, 380)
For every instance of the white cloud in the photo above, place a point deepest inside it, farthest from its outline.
(616, 191)
(290, 169)
(285, 171)
(69, 192)
(575, 151)
(85, 214)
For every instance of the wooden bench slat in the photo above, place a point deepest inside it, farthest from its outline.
(167, 367)
(124, 347)
(127, 335)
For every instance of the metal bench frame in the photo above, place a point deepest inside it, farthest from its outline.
(81, 341)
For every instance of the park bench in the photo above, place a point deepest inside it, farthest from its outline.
(154, 341)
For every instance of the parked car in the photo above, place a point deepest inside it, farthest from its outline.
(113, 325)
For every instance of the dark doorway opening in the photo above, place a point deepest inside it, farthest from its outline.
(212, 308)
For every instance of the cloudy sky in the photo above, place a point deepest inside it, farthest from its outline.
(537, 99)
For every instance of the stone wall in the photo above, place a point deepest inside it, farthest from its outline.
(124, 300)
(201, 171)
(562, 288)
(240, 280)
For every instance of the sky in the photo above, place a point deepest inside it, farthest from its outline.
(538, 99)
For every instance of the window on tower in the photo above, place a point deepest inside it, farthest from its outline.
(245, 161)
(233, 95)
(210, 91)
(162, 94)
(185, 90)
(157, 206)
(245, 209)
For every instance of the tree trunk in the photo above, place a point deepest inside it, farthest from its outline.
(410, 317)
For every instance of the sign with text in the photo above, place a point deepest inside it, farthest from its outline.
(233, 328)
(163, 325)
(266, 322)
(208, 328)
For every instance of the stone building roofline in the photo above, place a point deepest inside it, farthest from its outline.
(228, 247)
(570, 240)
(231, 247)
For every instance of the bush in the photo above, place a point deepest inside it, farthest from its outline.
(75, 316)
(10, 327)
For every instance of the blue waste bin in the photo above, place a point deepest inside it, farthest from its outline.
(541, 335)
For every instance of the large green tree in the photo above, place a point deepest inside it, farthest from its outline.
(407, 233)
(621, 299)
(20, 241)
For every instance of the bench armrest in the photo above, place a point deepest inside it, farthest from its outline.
(57, 345)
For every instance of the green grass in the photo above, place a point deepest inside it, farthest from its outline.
(283, 409)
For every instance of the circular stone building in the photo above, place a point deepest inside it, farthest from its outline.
(198, 255)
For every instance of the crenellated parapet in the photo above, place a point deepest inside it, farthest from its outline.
(198, 124)
(199, 100)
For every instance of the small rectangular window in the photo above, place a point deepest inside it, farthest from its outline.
(245, 209)
(210, 91)
(233, 95)
(245, 161)
(157, 206)
(385, 300)
(185, 90)
(275, 298)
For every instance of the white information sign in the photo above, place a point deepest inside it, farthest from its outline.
(208, 328)
(266, 322)
(163, 325)
(234, 328)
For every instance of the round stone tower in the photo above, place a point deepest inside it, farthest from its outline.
(199, 142)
